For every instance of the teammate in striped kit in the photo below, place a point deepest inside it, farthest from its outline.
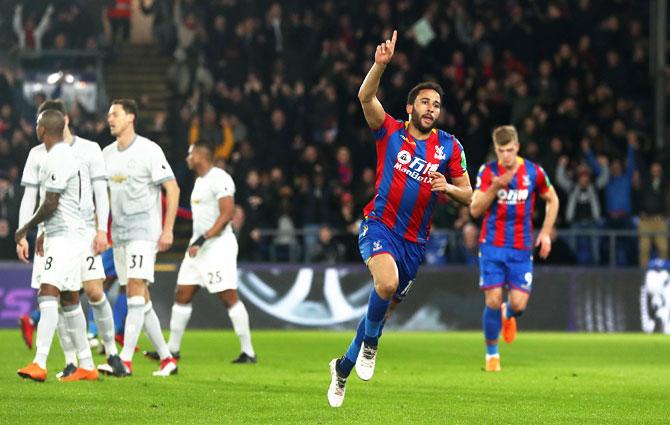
(505, 195)
(414, 160)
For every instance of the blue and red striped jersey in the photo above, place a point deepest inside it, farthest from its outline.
(507, 222)
(404, 201)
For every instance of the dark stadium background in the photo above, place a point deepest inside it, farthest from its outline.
(274, 85)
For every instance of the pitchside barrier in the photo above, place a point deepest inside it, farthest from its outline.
(442, 298)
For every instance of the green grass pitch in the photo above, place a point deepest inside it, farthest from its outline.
(420, 378)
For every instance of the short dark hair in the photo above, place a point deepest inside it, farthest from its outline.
(426, 85)
(128, 105)
(205, 144)
(52, 105)
(53, 122)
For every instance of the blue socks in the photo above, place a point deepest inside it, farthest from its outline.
(119, 312)
(348, 361)
(492, 323)
(369, 329)
(373, 320)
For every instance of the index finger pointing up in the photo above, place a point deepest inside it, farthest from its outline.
(394, 37)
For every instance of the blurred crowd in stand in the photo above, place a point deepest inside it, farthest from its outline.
(274, 85)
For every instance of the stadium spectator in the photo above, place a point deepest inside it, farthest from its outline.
(118, 15)
(328, 249)
(9, 207)
(618, 205)
(30, 35)
(162, 29)
(654, 197)
(253, 66)
(583, 209)
(467, 252)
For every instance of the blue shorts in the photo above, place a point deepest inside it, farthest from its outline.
(375, 238)
(505, 267)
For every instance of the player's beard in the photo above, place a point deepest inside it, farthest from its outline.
(416, 121)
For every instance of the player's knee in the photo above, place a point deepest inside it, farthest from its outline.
(386, 287)
(182, 296)
(518, 307)
(94, 292)
(494, 302)
(68, 298)
(229, 297)
(136, 287)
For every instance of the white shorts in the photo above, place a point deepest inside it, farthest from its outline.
(38, 269)
(135, 260)
(214, 267)
(91, 264)
(61, 265)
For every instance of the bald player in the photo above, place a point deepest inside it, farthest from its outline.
(60, 186)
(211, 259)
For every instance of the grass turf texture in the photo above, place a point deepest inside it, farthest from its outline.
(420, 378)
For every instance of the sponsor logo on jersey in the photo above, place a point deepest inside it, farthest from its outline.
(414, 167)
(512, 196)
(118, 178)
(376, 246)
(525, 180)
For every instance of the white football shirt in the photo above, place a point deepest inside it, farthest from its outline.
(61, 174)
(92, 167)
(31, 170)
(207, 191)
(135, 175)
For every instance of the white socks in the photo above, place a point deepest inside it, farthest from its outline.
(152, 327)
(181, 314)
(76, 325)
(134, 325)
(240, 318)
(104, 320)
(45, 328)
(65, 339)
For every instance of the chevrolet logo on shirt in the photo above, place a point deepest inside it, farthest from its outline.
(119, 178)
(195, 201)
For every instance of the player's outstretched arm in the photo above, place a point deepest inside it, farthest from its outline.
(367, 94)
(551, 212)
(171, 206)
